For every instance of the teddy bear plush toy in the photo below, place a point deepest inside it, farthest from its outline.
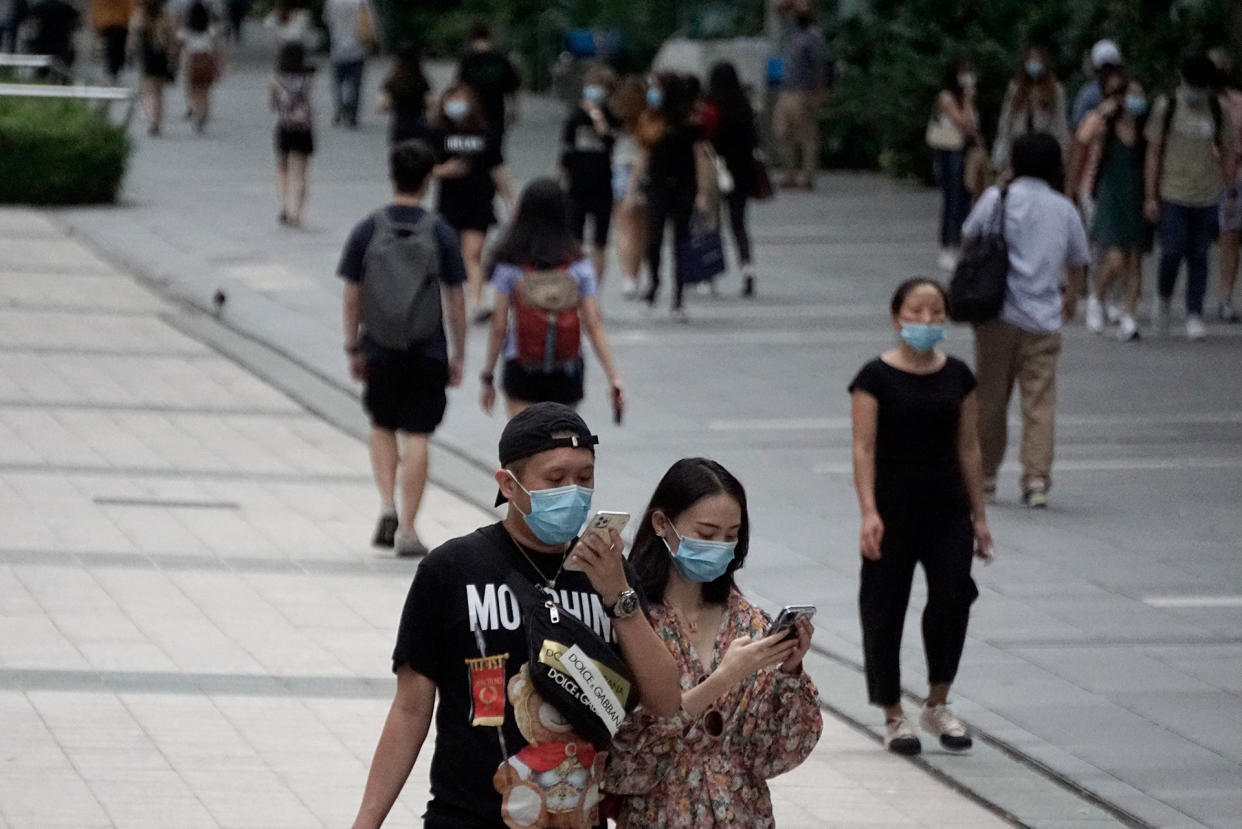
(553, 783)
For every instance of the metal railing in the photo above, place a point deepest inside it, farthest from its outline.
(70, 88)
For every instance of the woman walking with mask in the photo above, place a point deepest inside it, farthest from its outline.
(956, 113)
(748, 710)
(918, 473)
(1034, 102)
(470, 171)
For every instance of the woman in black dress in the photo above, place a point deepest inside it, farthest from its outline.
(918, 473)
(404, 95)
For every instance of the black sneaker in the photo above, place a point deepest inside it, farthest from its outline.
(943, 723)
(385, 531)
(748, 286)
(900, 738)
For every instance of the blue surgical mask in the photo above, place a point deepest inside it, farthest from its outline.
(1035, 67)
(593, 93)
(1136, 105)
(456, 109)
(699, 560)
(557, 514)
(655, 98)
(922, 336)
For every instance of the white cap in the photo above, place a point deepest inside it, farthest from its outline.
(1105, 52)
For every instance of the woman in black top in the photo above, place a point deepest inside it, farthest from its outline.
(735, 140)
(405, 93)
(671, 179)
(919, 478)
(470, 171)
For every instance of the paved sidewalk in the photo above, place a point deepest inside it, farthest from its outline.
(192, 630)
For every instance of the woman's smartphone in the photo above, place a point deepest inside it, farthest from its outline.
(601, 523)
(789, 616)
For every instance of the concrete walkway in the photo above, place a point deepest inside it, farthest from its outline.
(193, 632)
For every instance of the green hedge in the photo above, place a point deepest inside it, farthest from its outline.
(59, 152)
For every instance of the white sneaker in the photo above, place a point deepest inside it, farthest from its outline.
(938, 720)
(1113, 313)
(1163, 315)
(947, 260)
(629, 288)
(1095, 315)
(1128, 329)
(900, 738)
(1195, 332)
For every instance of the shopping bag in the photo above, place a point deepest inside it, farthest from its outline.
(700, 256)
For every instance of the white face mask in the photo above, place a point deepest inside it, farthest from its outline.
(966, 81)
(457, 109)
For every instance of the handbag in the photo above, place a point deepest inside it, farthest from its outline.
(943, 134)
(977, 290)
(573, 669)
(761, 187)
(724, 178)
(700, 256)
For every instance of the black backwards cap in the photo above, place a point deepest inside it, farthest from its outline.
(531, 431)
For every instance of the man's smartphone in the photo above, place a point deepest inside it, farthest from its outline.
(601, 523)
(618, 406)
(789, 615)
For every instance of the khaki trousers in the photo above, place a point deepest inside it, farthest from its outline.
(1005, 353)
(795, 126)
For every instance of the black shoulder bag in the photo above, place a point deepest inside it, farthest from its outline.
(574, 670)
(977, 290)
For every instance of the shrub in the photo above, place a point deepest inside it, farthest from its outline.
(59, 152)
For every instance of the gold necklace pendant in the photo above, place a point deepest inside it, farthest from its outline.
(551, 581)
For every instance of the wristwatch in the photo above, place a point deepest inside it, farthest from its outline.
(626, 605)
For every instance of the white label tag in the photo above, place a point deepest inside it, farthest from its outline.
(599, 696)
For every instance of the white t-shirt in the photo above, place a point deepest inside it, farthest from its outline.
(341, 18)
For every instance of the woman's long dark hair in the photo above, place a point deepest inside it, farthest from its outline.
(687, 482)
(540, 236)
(198, 18)
(725, 90)
(407, 83)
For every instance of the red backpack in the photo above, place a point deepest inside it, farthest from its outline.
(547, 330)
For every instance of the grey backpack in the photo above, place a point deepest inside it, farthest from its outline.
(401, 282)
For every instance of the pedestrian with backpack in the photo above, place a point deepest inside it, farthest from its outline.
(1192, 153)
(1045, 242)
(289, 92)
(545, 296)
(402, 266)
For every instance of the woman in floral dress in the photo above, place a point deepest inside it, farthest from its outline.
(749, 712)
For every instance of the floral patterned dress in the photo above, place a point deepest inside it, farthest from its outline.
(711, 771)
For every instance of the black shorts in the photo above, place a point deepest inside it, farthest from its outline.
(533, 386)
(476, 215)
(405, 390)
(599, 208)
(294, 140)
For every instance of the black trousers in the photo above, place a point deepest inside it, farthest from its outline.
(737, 222)
(662, 206)
(943, 541)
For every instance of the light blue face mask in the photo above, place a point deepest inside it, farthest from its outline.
(1035, 67)
(699, 560)
(1136, 105)
(593, 93)
(655, 98)
(456, 109)
(922, 336)
(557, 514)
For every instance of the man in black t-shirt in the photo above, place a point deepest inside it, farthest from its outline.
(404, 392)
(503, 756)
(491, 76)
